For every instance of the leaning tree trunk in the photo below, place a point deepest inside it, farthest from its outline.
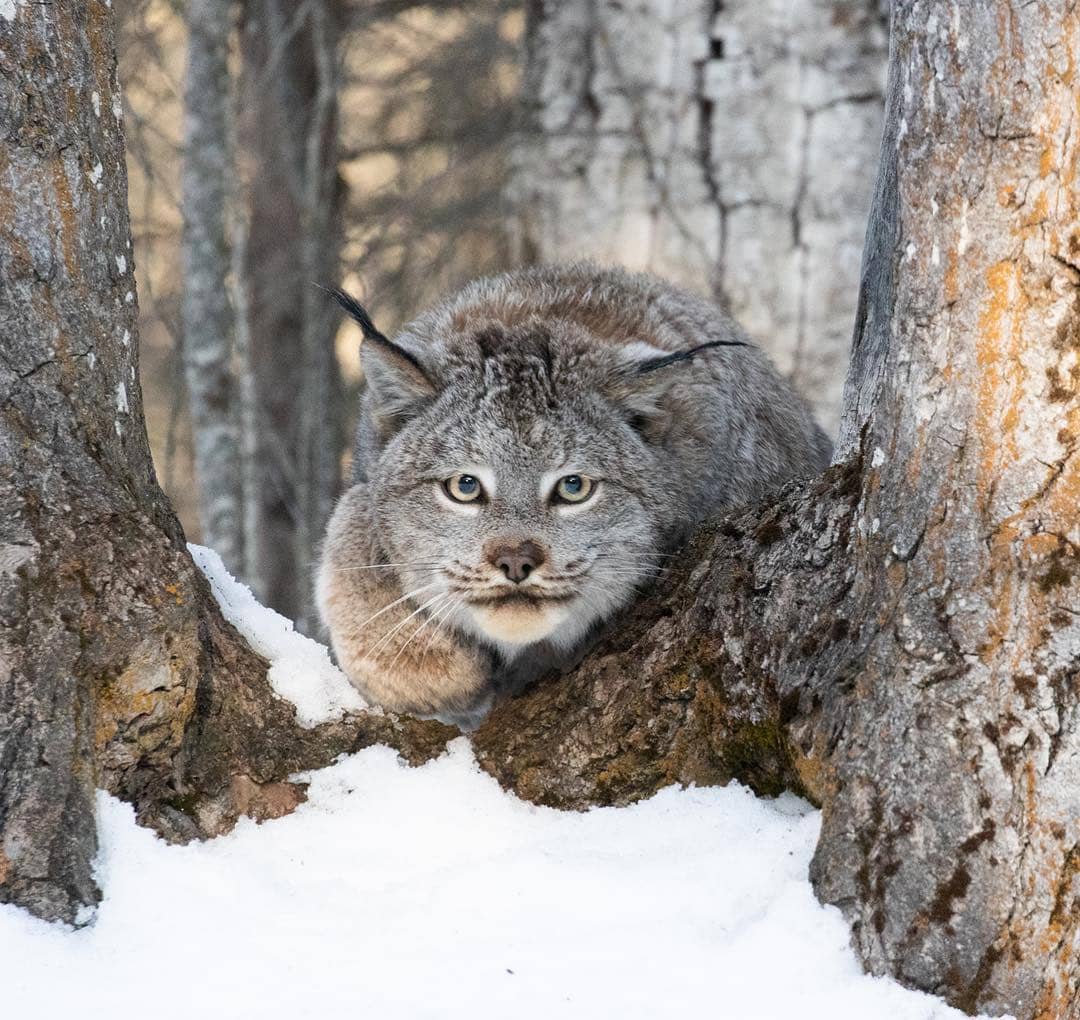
(955, 843)
(213, 395)
(729, 146)
(116, 668)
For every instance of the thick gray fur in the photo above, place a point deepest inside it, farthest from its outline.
(519, 379)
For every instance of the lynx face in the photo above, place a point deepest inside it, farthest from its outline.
(523, 498)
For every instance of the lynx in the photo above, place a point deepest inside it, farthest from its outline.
(529, 453)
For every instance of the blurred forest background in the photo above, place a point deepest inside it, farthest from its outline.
(400, 148)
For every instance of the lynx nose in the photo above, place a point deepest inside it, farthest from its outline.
(518, 562)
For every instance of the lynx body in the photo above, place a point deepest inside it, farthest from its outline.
(529, 451)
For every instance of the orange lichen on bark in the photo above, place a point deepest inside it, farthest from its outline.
(998, 346)
(98, 31)
(1061, 506)
(952, 286)
(1002, 589)
(68, 226)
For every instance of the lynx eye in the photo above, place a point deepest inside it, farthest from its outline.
(574, 489)
(463, 488)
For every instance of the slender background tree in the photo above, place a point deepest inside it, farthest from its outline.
(208, 332)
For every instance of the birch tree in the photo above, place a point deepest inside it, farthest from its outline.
(728, 146)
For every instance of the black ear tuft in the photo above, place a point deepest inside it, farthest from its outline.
(652, 364)
(397, 382)
(355, 310)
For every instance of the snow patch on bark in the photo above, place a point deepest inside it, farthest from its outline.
(300, 669)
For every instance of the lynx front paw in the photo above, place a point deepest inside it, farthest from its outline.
(448, 681)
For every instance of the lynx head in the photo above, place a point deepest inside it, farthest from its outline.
(520, 472)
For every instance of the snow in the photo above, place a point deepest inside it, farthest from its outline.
(431, 893)
(300, 670)
(397, 892)
(8, 9)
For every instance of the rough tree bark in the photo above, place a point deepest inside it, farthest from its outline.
(955, 847)
(728, 146)
(207, 313)
(116, 668)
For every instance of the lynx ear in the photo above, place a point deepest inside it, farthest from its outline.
(642, 377)
(397, 382)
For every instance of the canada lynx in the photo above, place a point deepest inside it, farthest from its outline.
(529, 451)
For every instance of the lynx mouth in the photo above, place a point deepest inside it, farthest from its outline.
(519, 618)
(519, 600)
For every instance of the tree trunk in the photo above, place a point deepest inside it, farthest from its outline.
(116, 668)
(289, 135)
(727, 146)
(320, 437)
(955, 846)
(207, 315)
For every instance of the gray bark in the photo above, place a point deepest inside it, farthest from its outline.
(247, 394)
(88, 546)
(320, 432)
(730, 147)
(207, 313)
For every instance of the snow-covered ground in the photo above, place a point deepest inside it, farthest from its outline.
(416, 893)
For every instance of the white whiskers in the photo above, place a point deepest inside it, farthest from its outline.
(442, 616)
(397, 602)
(447, 596)
(386, 637)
